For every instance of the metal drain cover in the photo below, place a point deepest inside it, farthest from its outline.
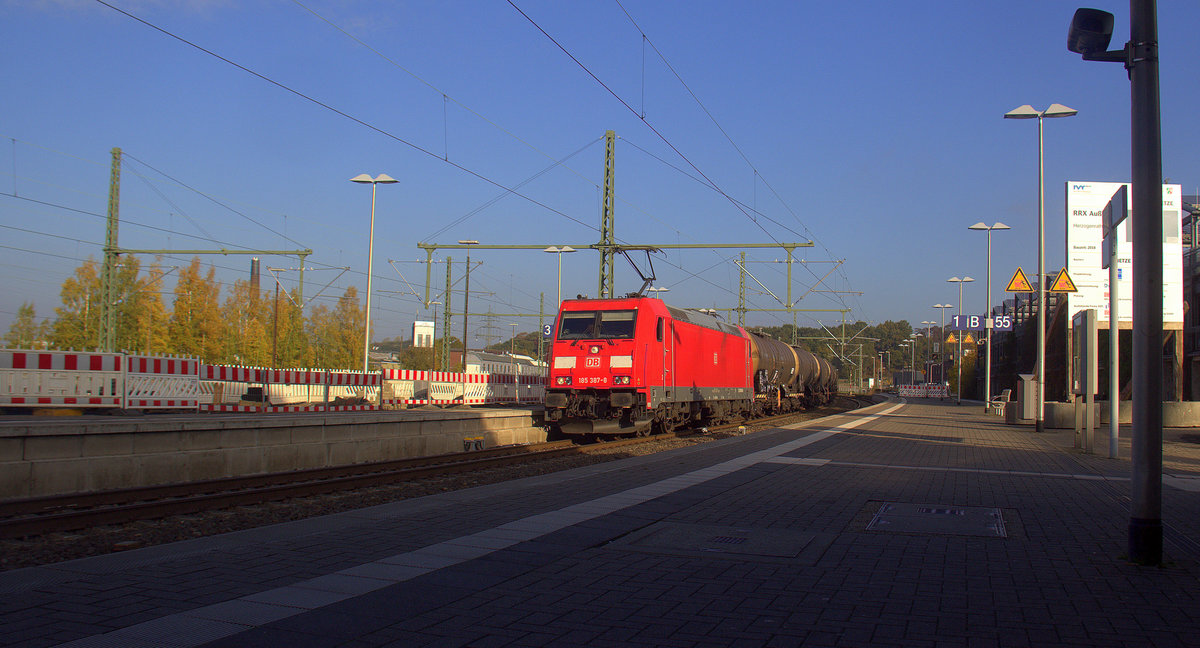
(939, 519)
(702, 539)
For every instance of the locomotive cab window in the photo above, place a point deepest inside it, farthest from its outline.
(577, 326)
(592, 325)
(617, 324)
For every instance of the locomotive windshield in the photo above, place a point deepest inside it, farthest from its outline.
(597, 325)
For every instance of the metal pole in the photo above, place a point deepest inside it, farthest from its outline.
(370, 252)
(987, 324)
(958, 361)
(466, 307)
(912, 358)
(275, 325)
(1114, 357)
(1145, 521)
(1039, 425)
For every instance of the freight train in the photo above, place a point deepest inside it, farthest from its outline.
(634, 365)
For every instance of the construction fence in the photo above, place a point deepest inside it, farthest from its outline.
(70, 379)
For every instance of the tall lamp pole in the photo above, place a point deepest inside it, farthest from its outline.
(958, 359)
(912, 355)
(467, 298)
(559, 251)
(942, 338)
(987, 318)
(363, 178)
(1028, 112)
(928, 350)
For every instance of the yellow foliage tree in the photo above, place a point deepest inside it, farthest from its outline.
(336, 334)
(195, 325)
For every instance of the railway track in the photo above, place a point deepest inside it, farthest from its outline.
(43, 515)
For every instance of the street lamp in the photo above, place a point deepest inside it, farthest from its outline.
(903, 345)
(658, 291)
(987, 318)
(942, 338)
(467, 298)
(912, 357)
(928, 347)
(363, 178)
(1028, 112)
(433, 347)
(958, 359)
(559, 251)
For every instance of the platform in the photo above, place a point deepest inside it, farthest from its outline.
(907, 524)
(42, 456)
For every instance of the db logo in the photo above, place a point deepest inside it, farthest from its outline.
(592, 362)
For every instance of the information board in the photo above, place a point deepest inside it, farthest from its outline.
(1085, 233)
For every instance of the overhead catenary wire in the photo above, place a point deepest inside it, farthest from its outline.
(640, 118)
(757, 175)
(371, 126)
(344, 114)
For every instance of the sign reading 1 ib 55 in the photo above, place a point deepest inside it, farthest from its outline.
(978, 323)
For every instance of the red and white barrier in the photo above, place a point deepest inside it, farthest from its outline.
(924, 391)
(407, 387)
(157, 382)
(289, 390)
(61, 378)
(116, 380)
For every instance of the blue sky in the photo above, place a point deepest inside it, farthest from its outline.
(872, 128)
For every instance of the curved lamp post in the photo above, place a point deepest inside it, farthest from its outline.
(958, 360)
(363, 178)
(1028, 112)
(987, 318)
(559, 251)
(467, 298)
(942, 338)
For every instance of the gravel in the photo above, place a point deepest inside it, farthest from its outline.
(58, 547)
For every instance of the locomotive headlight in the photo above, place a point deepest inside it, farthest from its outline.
(621, 380)
(562, 380)
(594, 349)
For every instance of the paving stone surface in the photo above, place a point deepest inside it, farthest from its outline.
(760, 540)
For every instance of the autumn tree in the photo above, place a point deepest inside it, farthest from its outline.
(289, 338)
(151, 313)
(247, 320)
(26, 332)
(337, 334)
(195, 325)
(416, 358)
(77, 321)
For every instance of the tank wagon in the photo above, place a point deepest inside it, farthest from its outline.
(636, 365)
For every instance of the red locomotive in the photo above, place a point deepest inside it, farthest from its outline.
(635, 365)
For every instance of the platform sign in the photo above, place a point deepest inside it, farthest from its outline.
(547, 330)
(1085, 224)
(1002, 323)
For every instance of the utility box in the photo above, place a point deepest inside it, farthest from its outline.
(1027, 397)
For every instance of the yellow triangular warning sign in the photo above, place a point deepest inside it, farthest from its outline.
(1063, 283)
(1019, 283)
(968, 339)
(951, 339)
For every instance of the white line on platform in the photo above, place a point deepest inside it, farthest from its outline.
(238, 615)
